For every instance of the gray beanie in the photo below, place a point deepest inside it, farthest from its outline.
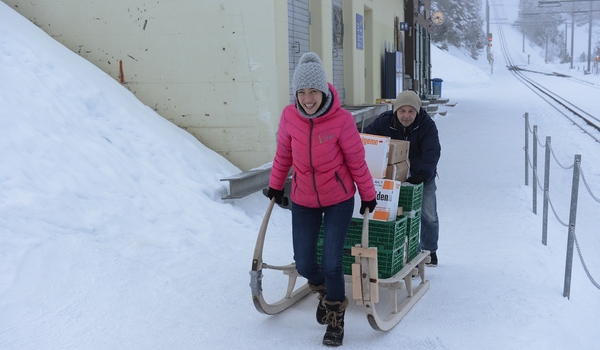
(309, 74)
(407, 98)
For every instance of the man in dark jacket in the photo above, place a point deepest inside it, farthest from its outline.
(409, 121)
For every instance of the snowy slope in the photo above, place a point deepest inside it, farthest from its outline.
(113, 234)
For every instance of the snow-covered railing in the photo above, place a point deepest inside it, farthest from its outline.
(571, 224)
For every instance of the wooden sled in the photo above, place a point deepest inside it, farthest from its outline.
(366, 285)
(365, 282)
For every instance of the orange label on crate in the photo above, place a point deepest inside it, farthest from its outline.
(380, 215)
(388, 185)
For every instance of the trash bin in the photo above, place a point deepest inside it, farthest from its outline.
(436, 86)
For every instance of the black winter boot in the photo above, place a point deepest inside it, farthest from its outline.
(321, 312)
(336, 310)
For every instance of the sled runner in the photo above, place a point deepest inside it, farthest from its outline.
(382, 313)
(292, 295)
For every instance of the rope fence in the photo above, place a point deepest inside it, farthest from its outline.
(571, 223)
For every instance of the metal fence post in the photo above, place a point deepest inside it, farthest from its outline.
(534, 180)
(572, 219)
(526, 148)
(546, 194)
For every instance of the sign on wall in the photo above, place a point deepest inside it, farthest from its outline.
(360, 25)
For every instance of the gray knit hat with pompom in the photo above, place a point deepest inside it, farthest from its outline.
(309, 74)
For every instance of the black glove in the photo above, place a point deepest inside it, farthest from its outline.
(370, 204)
(277, 194)
(416, 179)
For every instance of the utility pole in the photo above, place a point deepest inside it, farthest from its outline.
(490, 55)
(487, 16)
(572, 34)
(558, 3)
(589, 68)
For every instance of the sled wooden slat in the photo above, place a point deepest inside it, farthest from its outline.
(364, 252)
(356, 284)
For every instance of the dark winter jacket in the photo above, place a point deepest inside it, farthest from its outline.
(425, 149)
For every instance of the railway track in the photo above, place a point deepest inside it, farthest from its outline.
(583, 119)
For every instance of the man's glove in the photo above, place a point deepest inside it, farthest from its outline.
(277, 194)
(417, 179)
(370, 204)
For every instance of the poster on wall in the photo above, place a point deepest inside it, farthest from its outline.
(360, 25)
(399, 72)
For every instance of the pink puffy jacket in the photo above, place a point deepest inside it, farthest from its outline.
(327, 155)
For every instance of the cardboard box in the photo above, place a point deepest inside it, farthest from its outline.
(398, 151)
(377, 149)
(397, 172)
(388, 196)
(389, 102)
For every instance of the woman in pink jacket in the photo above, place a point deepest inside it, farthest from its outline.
(319, 139)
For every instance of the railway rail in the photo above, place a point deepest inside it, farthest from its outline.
(583, 119)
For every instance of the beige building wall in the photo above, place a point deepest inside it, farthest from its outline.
(363, 68)
(321, 33)
(211, 67)
(218, 69)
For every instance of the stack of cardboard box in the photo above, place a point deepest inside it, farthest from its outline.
(388, 163)
(387, 160)
(397, 164)
(377, 150)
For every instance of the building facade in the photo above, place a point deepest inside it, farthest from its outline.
(221, 69)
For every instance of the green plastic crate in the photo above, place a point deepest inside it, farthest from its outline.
(411, 197)
(388, 262)
(413, 248)
(413, 252)
(413, 224)
(385, 235)
(389, 238)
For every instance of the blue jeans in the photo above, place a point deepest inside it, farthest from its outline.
(306, 223)
(430, 226)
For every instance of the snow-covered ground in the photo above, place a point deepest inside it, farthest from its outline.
(113, 234)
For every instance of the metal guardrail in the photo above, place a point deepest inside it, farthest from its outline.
(246, 183)
(571, 224)
(365, 114)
